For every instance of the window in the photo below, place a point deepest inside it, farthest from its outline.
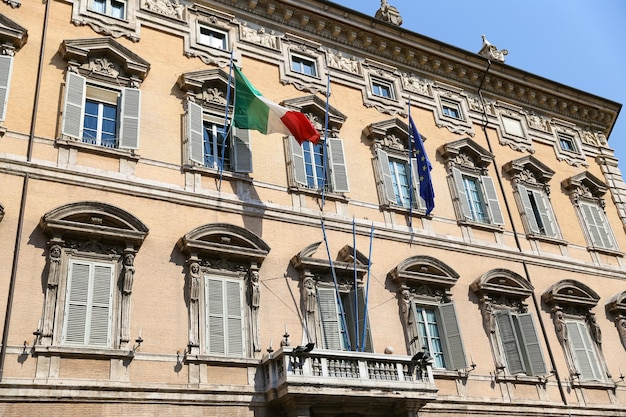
(101, 116)
(583, 351)
(399, 181)
(113, 8)
(538, 211)
(566, 142)
(519, 343)
(451, 109)
(303, 65)
(6, 68)
(512, 126)
(382, 88)
(210, 147)
(212, 37)
(597, 225)
(477, 197)
(224, 317)
(308, 165)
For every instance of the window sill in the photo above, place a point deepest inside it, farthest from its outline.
(605, 251)
(482, 226)
(329, 195)
(404, 210)
(547, 239)
(593, 384)
(96, 149)
(81, 352)
(521, 379)
(221, 360)
(210, 172)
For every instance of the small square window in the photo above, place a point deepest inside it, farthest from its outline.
(382, 88)
(451, 109)
(303, 65)
(212, 37)
(566, 143)
(113, 8)
(512, 126)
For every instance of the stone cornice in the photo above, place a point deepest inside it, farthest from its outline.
(342, 28)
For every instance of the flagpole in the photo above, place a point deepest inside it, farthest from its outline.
(226, 131)
(410, 170)
(367, 289)
(325, 145)
(356, 293)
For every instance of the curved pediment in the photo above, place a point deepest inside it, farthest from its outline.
(617, 304)
(105, 56)
(88, 219)
(306, 260)
(571, 293)
(424, 270)
(226, 240)
(502, 282)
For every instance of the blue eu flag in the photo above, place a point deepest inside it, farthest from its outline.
(423, 168)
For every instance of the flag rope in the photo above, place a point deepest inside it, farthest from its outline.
(227, 128)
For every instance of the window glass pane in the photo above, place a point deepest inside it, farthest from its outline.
(451, 109)
(217, 150)
(475, 199)
(212, 38)
(303, 66)
(118, 9)
(314, 164)
(512, 126)
(535, 208)
(567, 143)
(400, 181)
(99, 6)
(100, 123)
(429, 332)
(382, 89)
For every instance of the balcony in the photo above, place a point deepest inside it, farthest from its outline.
(323, 382)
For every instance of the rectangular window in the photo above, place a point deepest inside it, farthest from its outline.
(597, 226)
(216, 147)
(382, 88)
(583, 351)
(100, 117)
(224, 317)
(538, 212)
(314, 164)
(303, 65)
(567, 142)
(451, 109)
(212, 37)
(477, 198)
(113, 8)
(6, 68)
(400, 181)
(519, 343)
(88, 304)
(308, 165)
(343, 320)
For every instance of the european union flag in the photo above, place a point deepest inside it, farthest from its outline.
(423, 168)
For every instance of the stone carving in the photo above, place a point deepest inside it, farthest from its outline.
(170, 8)
(562, 335)
(213, 95)
(54, 271)
(489, 51)
(194, 294)
(388, 14)
(310, 304)
(416, 84)
(259, 36)
(254, 300)
(128, 277)
(539, 122)
(337, 60)
(102, 65)
(621, 329)
(13, 3)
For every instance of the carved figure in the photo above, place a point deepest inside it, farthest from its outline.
(341, 62)
(311, 296)
(489, 51)
(255, 298)
(596, 332)
(194, 293)
(54, 263)
(171, 8)
(129, 273)
(194, 284)
(388, 13)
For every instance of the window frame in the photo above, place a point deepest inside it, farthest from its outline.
(202, 38)
(6, 71)
(562, 138)
(381, 84)
(108, 8)
(300, 60)
(384, 159)
(538, 214)
(487, 198)
(584, 353)
(336, 167)
(448, 105)
(227, 315)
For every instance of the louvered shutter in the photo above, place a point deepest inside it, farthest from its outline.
(383, 164)
(129, 126)
(351, 318)
(6, 67)
(584, 353)
(509, 343)
(215, 332)
(242, 158)
(77, 304)
(297, 159)
(234, 318)
(100, 323)
(195, 132)
(492, 200)
(74, 107)
(460, 190)
(528, 209)
(329, 315)
(337, 162)
(451, 334)
(545, 214)
(418, 201)
(415, 345)
(529, 342)
(594, 220)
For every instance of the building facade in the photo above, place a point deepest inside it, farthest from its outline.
(156, 260)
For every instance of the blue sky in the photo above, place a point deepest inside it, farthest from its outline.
(579, 43)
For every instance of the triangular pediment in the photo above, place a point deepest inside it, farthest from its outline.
(540, 171)
(586, 180)
(479, 155)
(309, 259)
(315, 109)
(12, 33)
(86, 51)
(196, 81)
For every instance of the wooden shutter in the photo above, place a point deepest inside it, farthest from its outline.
(224, 317)
(234, 318)
(215, 332)
(6, 67)
(350, 318)
(413, 333)
(545, 213)
(528, 209)
(100, 323)
(242, 153)
(329, 315)
(337, 161)
(529, 342)
(195, 132)
(74, 106)
(77, 303)
(460, 190)
(129, 126)
(297, 159)
(418, 201)
(385, 173)
(509, 343)
(492, 200)
(594, 220)
(583, 351)
(451, 335)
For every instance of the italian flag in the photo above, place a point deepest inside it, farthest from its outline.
(253, 111)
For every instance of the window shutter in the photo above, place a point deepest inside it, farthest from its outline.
(594, 220)
(77, 303)
(234, 318)
(297, 159)
(415, 344)
(460, 190)
(195, 132)
(418, 201)
(74, 105)
(383, 164)
(545, 213)
(529, 343)
(6, 67)
(350, 317)
(129, 127)
(337, 162)
(584, 353)
(451, 332)
(242, 158)
(329, 316)
(492, 200)
(528, 209)
(215, 332)
(100, 325)
(509, 343)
